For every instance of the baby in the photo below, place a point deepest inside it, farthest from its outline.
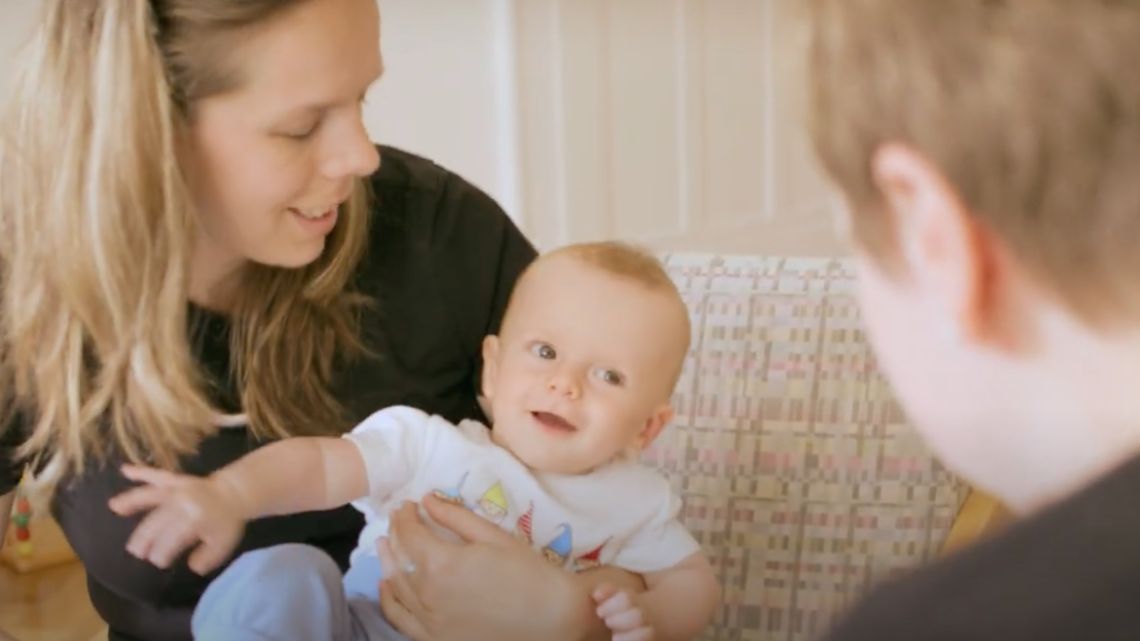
(578, 381)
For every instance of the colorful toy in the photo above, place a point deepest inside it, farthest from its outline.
(22, 522)
(33, 540)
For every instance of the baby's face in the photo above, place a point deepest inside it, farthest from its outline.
(584, 367)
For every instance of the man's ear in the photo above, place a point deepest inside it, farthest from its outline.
(943, 247)
(490, 366)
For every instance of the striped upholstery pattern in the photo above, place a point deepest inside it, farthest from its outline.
(800, 475)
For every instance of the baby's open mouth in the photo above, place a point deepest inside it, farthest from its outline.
(554, 421)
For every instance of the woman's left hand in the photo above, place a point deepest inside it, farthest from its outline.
(490, 586)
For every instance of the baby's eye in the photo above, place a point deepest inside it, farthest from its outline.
(610, 376)
(543, 351)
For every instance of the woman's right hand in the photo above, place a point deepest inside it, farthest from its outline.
(183, 512)
(490, 586)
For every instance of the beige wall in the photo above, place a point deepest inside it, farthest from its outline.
(18, 17)
(447, 93)
(674, 123)
(669, 122)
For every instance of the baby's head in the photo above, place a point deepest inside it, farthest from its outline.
(585, 363)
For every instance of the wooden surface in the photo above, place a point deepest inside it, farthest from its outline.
(48, 605)
(981, 515)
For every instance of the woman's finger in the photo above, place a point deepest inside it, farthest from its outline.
(420, 544)
(403, 564)
(397, 575)
(151, 475)
(468, 525)
(137, 499)
(401, 617)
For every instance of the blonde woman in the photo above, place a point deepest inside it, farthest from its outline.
(192, 266)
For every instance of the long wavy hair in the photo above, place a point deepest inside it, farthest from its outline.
(96, 233)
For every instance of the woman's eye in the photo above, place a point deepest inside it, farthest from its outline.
(303, 134)
(611, 377)
(544, 351)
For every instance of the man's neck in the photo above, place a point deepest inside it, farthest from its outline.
(1083, 395)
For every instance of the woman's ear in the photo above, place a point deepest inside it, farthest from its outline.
(490, 365)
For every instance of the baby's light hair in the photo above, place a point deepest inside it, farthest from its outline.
(621, 259)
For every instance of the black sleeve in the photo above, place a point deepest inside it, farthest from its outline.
(11, 438)
(480, 254)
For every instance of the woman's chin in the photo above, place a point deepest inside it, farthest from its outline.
(297, 257)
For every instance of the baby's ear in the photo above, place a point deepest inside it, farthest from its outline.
(653, 426)
(490, 365)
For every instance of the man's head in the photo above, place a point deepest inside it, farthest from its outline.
(988, 152)
(590, 348)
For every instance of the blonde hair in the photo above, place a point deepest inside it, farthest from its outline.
(627, 261)
(96, 238)
(1031, 109)
(623, 260)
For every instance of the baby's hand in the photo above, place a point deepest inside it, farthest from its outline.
(184, 511)
(623, 615)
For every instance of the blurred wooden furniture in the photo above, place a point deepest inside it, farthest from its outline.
(981, 515)
(50, 604)
(43, 588)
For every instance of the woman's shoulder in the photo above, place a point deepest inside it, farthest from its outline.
(401, 170)
(428, 202)
(440, 248)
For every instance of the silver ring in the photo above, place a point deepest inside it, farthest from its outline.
(410, 567)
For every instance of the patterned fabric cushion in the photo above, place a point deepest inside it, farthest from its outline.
(800, 475)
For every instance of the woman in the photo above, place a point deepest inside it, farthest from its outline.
(192, 266)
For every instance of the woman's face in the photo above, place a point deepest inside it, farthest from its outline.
(270, 162)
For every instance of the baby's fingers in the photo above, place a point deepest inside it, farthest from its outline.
(640, 634)
(618, 602)
(137, 499)
(171, 541)
(149, 475)
(626, 620)
(208, 556)
(603, 592)
(156, 535)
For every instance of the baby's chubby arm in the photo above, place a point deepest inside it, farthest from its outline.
(296, 474)
(293, 475)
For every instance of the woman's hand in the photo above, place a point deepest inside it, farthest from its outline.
(490, 586)
(183, 512)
